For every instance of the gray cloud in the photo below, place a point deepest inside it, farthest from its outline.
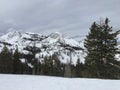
(67, 16)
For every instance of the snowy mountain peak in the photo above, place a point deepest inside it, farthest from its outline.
(11, 35)
(56, 35)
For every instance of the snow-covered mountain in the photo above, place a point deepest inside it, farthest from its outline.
(48, 44)
(66, 48)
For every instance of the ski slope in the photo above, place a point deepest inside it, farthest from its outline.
(28, 82)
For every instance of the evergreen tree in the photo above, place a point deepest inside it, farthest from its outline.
(78, 69)
(92, 45)
(57, 66)
(48, 66)
(17, 65)
(6, 61)
(101, 49)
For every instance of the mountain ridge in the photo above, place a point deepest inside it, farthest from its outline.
(49, 44)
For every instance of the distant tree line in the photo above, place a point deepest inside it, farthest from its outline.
(10, 63)
(100, 61)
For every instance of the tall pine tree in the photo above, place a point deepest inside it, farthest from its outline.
(101, 49)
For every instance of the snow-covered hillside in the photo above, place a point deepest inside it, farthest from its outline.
(66, 48)
(49, 45)
(27, 82)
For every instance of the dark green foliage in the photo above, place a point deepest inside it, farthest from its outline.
(26, 69)
(78, 69)
(48, 66)
(58, 67)
(101, 49)
(6, 61)
(52, 66)
(17, 65)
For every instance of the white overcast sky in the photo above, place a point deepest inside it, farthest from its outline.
(72, 17)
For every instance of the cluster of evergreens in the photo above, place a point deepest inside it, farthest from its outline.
(100, 61)
(10, 63)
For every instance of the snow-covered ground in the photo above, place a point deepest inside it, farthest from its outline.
(28, 82)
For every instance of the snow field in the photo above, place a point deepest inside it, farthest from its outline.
(28, 82)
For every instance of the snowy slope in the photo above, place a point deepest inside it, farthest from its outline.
(27, 82)
(49, 45)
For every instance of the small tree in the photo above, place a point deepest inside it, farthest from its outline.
(57, 66)
(17, 65)
(78, 69)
